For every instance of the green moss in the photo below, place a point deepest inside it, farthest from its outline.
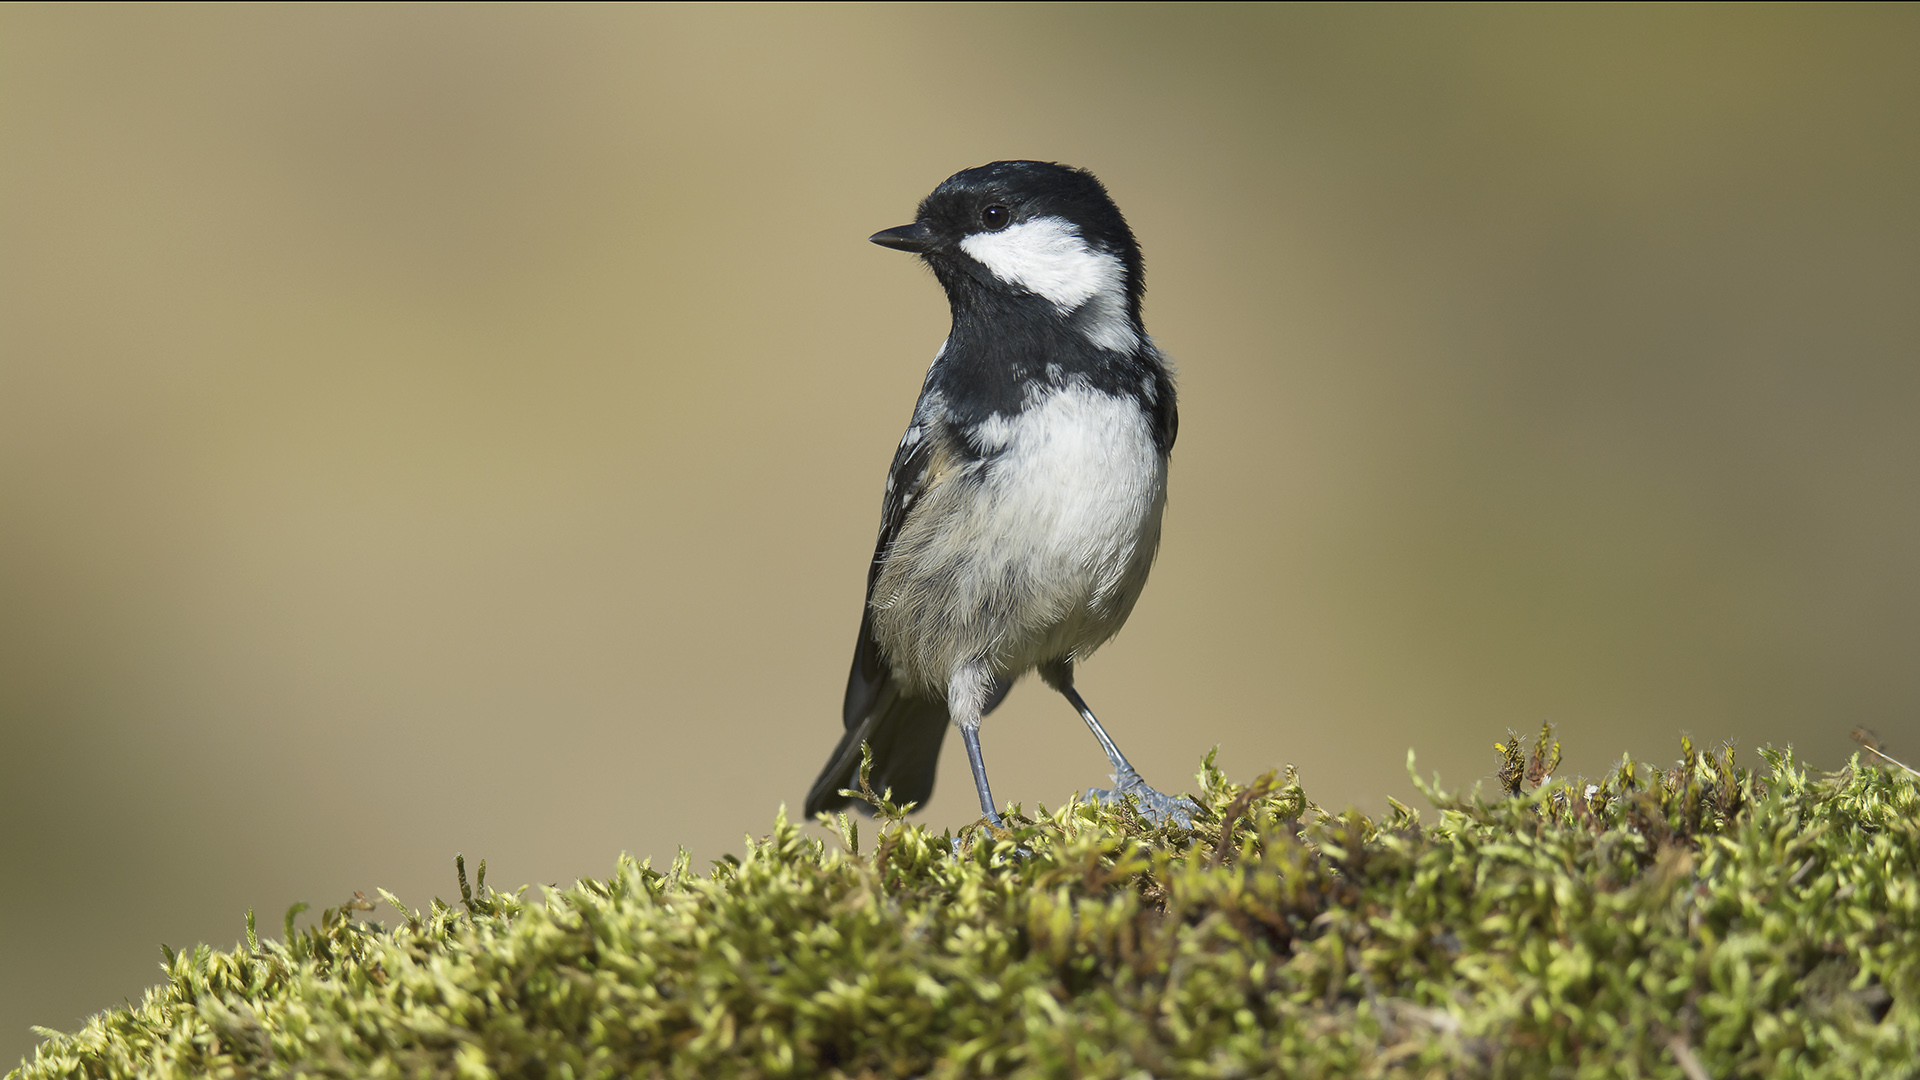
(1672, 922)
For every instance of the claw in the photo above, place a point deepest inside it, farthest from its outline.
(1159, 808)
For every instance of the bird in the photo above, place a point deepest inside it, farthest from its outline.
(1022, 511)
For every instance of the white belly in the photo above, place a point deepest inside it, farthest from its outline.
(1036, 553)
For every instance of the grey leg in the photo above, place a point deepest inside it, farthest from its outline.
(1127, 780)
(970, 734)
(967, 694)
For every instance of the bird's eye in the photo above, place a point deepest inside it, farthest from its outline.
(996, 217)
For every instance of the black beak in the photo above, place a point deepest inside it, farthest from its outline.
(916, 238)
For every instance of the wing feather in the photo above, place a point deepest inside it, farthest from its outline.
(904, 730)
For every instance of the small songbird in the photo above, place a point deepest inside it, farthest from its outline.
(1022, 512)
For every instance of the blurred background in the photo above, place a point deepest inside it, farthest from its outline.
(435, 429)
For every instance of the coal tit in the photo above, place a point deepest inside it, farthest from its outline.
(1022, 512)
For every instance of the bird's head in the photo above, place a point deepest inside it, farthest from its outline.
(1031, 228)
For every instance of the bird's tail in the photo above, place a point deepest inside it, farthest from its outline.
(905, 733)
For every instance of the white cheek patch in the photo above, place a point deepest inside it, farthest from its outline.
(1048, 257)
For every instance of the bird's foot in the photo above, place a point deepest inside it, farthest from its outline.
(1159, 808)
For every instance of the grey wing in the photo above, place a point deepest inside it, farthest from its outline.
(903, 731)
(916, 462)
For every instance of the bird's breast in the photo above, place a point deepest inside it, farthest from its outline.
(1039, 551)
(1071, 483)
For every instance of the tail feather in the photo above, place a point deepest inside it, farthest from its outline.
(905, 734)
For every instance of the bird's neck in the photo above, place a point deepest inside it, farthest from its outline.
(1005, 350)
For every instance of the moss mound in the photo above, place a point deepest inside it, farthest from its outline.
(1692, 921)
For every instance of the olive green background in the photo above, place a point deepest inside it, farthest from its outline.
(462, 429)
